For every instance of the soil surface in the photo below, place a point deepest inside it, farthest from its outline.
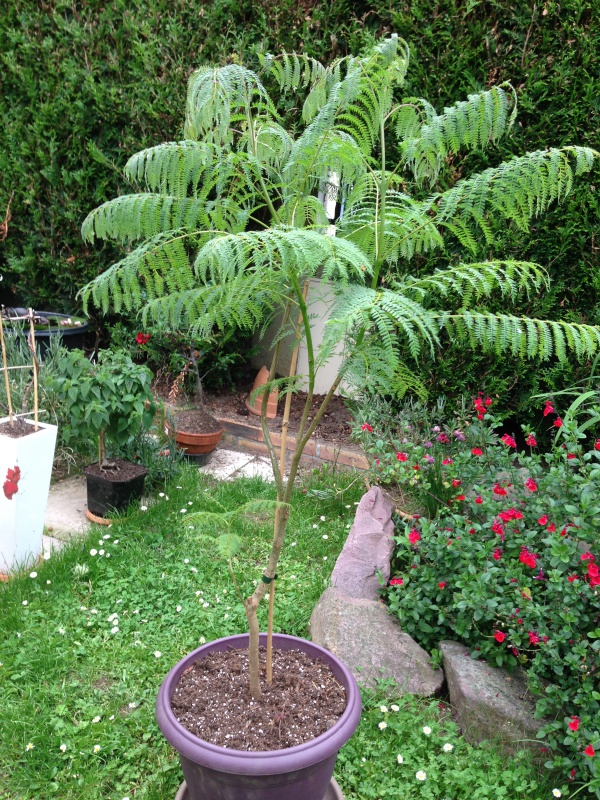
(212, 700)
(17, 430)
(335, 425)
(196, 420)
(117, 470)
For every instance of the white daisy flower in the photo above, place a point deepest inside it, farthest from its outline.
(325, 536)
(97, 748)
(322, 518)
(186, 561)
(93, 552)
(395, 707)
(178, 609)
(62, 748)
(557, 792)
(157, 654)
(25, 603)
(427, 730)
(447, 748)
(315, 525)
(29, 746)
(48, 583)
(143, 508)
(33, 574)
(399, 759)
(383, 709)
(421, 776)
(96, 719)
(382, 726)
(131, 705)
(100, 552)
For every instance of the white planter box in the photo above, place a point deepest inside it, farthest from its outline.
(22, 512)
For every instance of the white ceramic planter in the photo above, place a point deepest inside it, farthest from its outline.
(22, 511)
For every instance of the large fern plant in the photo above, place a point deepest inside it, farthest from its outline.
(227, 227)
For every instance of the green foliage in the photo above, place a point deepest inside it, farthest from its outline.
(109, 399)
(509, 564)
(420, 754)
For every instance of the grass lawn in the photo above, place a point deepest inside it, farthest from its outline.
(89, 636)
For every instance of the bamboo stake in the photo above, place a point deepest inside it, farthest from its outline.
(284, 427)
(35, 369)
(5, 369)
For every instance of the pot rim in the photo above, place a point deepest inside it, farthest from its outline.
(262, 762)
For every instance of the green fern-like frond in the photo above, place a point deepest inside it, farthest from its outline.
(522, 336)
(473, 281)
(135, 216)
(159, 265)
(470, 124)
(172, 168)
(518, 190)
(216, 95)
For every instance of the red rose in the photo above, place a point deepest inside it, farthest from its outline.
(558, 422)
(530, 440)
(497, 554)
(499, 636)
(597, 444)
(401, 456)
(479, 500)
(499, 490)
(414, 536)
(447, 461)
(574, 724)
(533, 638)
(396, 582)
(531, 485)
(548, 409)
(589, 751)
(366, 427)
(477, 451)
(441, 584)
(142, 338)
(508, 440)
(527, 558)
(543, 519)
(572, 578)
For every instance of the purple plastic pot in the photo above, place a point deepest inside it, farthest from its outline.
(296, 773)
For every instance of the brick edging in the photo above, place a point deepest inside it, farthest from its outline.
(251, 438)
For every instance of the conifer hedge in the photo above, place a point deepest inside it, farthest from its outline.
(85, 84)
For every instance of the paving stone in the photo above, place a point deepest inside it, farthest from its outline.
(65, 511)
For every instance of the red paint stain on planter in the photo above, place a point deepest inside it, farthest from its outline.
(11, 484)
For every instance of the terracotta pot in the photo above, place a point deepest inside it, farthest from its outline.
(197, 443)
(255, 407)
(303, 772)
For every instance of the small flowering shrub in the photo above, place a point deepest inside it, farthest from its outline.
(511, 568)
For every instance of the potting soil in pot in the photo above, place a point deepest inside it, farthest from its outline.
(196, 420)
(212, 700)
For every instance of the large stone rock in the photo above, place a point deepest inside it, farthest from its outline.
(368, 549)
(488, 701)
(371, 643)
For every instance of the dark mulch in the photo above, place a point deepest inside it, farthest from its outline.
(17, 430)
(196, 420)
(212, 700)
(335, 425)
(117, 470)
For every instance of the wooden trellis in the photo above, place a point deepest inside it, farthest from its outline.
(33, 366)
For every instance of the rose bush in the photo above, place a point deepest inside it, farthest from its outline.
(510, 566)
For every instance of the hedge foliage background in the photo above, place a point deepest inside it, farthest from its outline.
(85, 84)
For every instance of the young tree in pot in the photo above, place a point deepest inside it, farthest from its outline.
(109, 400)
(230, 228)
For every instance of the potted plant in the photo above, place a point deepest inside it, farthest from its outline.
(196, 431)
(26, 456)
(240, 230)
(109, 400)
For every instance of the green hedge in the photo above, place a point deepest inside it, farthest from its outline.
(82, 86)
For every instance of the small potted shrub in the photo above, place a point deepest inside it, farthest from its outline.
(109, 400)
(196, 431)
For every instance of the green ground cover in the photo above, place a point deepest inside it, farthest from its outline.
(88, 636)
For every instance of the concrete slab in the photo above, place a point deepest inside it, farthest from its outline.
(224, 463)
(65, 512)
(257, 468)
(50, 545)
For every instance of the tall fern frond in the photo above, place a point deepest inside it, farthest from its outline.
(286, 250)
(473, 281)
(159, 265)
(135, 216)
(173, 168)
(518, 190)
(523, 337)
(470, 124)
(216, 95)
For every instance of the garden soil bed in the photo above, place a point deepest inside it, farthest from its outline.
(212, 700)
(335, 426)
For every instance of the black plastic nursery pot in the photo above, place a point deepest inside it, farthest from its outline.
(303, 772)
(70, 329)
(108, 493)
